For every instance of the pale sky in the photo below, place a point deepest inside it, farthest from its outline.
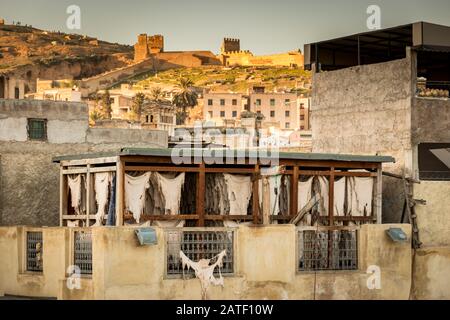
(263, 26)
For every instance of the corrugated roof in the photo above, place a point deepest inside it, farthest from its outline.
(217, 153)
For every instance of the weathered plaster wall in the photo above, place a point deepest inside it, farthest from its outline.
(433, 218)
(367, 110)
(431, 273)
(430, 120)
(29, 190)
(265, 268)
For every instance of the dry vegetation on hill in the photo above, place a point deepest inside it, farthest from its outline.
(236, 79)
(23, 46)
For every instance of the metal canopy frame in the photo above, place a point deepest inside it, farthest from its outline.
(375, 46)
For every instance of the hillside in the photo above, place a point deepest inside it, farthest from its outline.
(236, 79)
(24, 47)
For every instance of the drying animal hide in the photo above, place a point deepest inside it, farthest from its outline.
(102, 183)
(135, 193)
(323, 190)
(239, 189)
(73, 224)
(167, 191)
(339, 197)
(216, 199)
(204, 271)
(76, 186)
(360, 196)
(304, 195)
(285, 194)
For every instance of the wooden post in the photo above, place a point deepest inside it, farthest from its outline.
(120, 191)
(88, 194)
(62, 195)
(294, 192)
(331, 198)
(330, 216)
(379, 195)
(266, 200)
(200, 203)
(255, 195)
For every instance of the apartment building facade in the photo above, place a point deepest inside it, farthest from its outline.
(286, 111)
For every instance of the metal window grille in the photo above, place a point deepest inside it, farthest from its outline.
(198, 245)
(35, 248)
(83, 251)
(37, 129)
(327, 250)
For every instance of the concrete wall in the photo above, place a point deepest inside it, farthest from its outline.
(265, 268)
(29, 181)
(432, 218)
(367, 110)
(430, 120)
(430, 275)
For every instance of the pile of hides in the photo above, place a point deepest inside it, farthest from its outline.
(77, 189)
(204, 271)
(164, 195)
(353, 196)
(227, 194)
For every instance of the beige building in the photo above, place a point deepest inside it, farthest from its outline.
(159, 115)
(56, 90)
(285, 111)
(372, 104)
(221, 106)
(11, 88)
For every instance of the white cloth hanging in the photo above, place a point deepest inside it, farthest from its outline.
(101, 185)
(75, 187)
(360, 196)
(135, 188)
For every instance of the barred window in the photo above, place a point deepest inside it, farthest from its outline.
(197, 245)
(35, 248)
(37, 129)
(327, 250)
(83, 251)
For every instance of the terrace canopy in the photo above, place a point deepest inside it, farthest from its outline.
(99, 180)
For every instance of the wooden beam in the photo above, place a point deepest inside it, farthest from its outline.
(103, 169)
(148, 217)
(161, 168)
(331, 198)
(379, 195)
(200, 202)
(120, 192)
(83, 162)
(294, 191)
(189, 169)
(255, 194)
(62, 196)
(74, 217)
(88, 194)
(348, 218)
(337, 173)
(74, 171)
